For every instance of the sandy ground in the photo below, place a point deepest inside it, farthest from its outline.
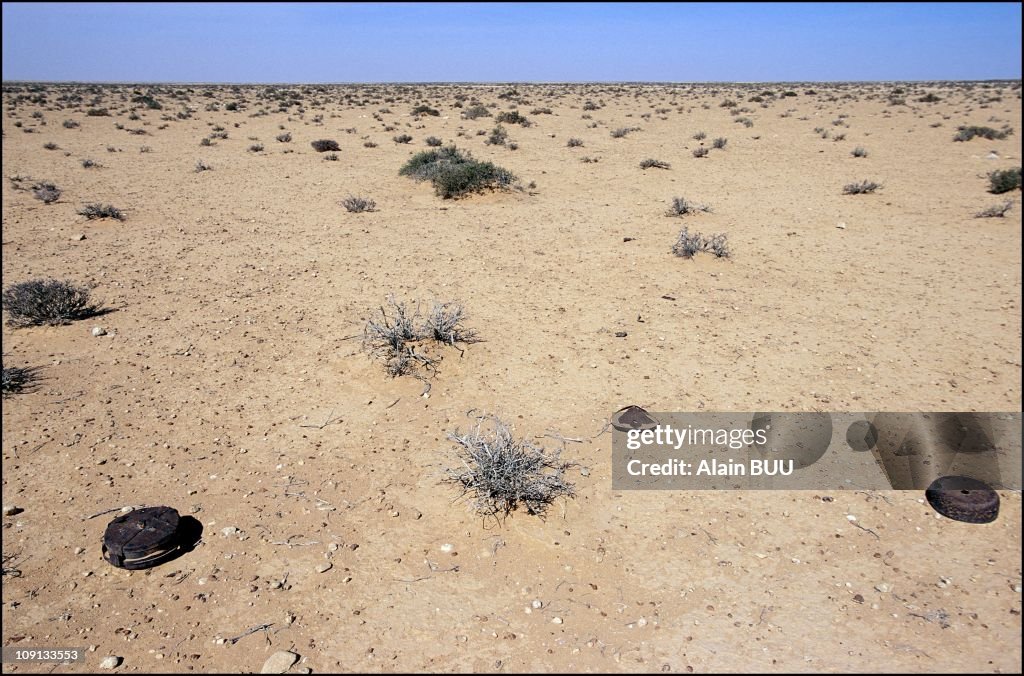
(228, 385)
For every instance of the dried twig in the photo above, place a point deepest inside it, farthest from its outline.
(262, 627)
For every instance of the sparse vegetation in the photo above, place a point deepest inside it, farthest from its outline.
(701, 152)
(512, 117)
(47, 302)
(46, 192)
(357, 205)
(455, 173)
(574, 143)
(202, 166)
(654, 164)
(325, 145)
(424, 109)
(17, 379)
(689, 245)
(402, 138)
(402, 338)
(862, 188)
(96, 210)
(859, 152)
(473, 112)
(996, 211)
(500, 472)
(284, 138)
(1004, 180)
(966, 133)
(434, 142)
(680, 206)
(719, 143)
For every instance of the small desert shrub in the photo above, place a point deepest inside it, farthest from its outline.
(51, 146)
(454, 172)
(284, 138)
(997, 211)
(719, 143)
(47, 302)
(540, 111)
(401, 138)
(17, 379)
(357, 205)
(256, 148)
(90, 164)
(681, 207)
(46, 192)
(331, 157)
(512, 117)
(95, 210)
(425, 110)
(859, 152)
(621, 132)
(687, 245)
(718, 245)
(655, 164)
(98, 112)
(433, 142)
(202, 166)
(497, 137)
(206, 142)
(590, 160)
(501, 472)
(700, 152)
(71, 124)
(145, 149)
(1004, 180)
(574, 143)
(590, 105)
(700, 136)
(369, 144)
(473, 112)
(966, 133)
(325, 145)
(862, 188)
(929, 98)
(445, 324)
(400, 336)
(728, 103)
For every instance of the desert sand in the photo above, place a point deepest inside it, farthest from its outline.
(231, 384)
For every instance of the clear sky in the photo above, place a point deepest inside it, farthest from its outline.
(510, 42)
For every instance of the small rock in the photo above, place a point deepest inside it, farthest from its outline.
(11, 510)
(621, 334)
(883, 587)
(98, 331)
(78, 238)
(447, 548)
(78, 550)
(229, 531)
(841, 225)
(556, 620)
(324, 567)
(279, 662)
(537, 604)
(111, 662)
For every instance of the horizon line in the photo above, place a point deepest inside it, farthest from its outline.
(495, 82)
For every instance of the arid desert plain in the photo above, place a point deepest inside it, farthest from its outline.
(230, 379)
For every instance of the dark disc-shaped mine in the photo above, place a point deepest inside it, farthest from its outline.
(141, 538)
(632, 418)
(964, 499)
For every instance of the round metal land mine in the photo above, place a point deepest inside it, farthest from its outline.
(964, 499)
(142, 538)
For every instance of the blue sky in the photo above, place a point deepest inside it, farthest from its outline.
(506, 42)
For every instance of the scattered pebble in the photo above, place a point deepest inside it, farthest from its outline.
(883, 587)
(111, 662)
(98, 331)
(324, 567)
(11, 510)
(556, 620)
(279, 662)
(447, 548)
(78, 238)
